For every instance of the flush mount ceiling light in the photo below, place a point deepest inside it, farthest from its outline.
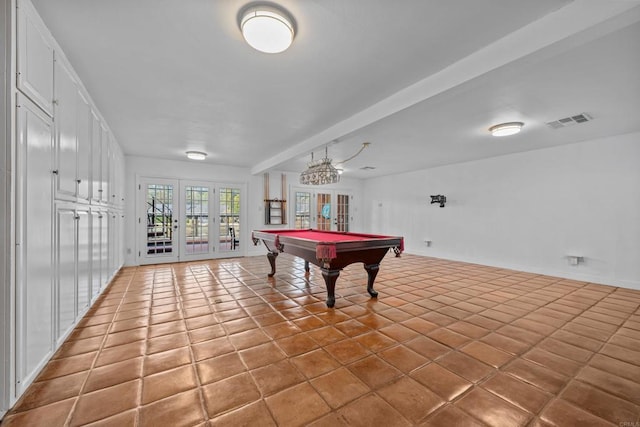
(505, 129)
(267, 28)
(196, 155)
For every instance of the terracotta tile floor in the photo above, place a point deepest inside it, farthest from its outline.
(446, 343)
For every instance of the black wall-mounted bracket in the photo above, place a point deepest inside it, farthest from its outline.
(439, 199)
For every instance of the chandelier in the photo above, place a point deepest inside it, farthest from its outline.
(320, 172)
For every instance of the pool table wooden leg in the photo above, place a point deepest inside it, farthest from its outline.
(372, 272)
(330, 277)
(271, 256)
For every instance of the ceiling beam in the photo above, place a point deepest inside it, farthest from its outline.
(567, 21)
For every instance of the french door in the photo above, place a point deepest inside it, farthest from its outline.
(321, 210)
(189, 220)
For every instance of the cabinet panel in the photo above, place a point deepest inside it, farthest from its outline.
(34, 269)
(105, 196)
(65, 114)
(84, 118)
(96, 162)
(35, 57)
(66, 266)
(113, 242)
(104, 250)
(96, 248)
(120, 250)
(83, 262)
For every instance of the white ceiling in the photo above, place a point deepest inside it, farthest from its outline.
(421, 80)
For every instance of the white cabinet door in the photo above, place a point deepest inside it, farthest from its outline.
(65, 119)
(66, 269)
(34, 218)
(120, 250)
(83, 262)
(96, 161)
(113, 243)
(96, 251)
(105, 196)
(35, 57)
(113, 188)
(84, 145)
(104, 250)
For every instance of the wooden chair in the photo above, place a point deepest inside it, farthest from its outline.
(234, 241)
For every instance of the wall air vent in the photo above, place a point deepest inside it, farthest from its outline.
(367, 168)
(570, 121)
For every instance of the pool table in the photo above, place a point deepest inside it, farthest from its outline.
(331, 251)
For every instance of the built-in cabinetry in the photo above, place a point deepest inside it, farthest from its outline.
(34, 237)
(69, 199)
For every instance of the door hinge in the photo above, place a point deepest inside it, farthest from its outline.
(139, 187)
(139, 220)
(139, 253)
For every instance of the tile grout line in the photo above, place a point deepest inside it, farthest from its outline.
(194, 367)
(99, 351)
(483, 380)
(558, 395)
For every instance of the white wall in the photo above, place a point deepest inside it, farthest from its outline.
(192, 170)
(526, 211)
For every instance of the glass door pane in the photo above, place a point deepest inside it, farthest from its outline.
(342, 215)
(196, 222)
(302, 210)
(160, 213)
(323, 211)
(229, 231)
(159, 219)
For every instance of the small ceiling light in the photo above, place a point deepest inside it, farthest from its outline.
(196, 155)
(267, 28)
(505, 129)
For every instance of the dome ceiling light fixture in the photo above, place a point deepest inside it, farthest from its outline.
(267, 28)
(506, 129)
(196, 155)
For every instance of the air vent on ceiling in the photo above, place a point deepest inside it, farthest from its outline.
(570, 121)
(367, 168)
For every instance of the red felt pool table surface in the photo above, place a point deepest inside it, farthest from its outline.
(325, 236)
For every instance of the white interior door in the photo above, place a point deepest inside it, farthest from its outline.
(158, 220)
